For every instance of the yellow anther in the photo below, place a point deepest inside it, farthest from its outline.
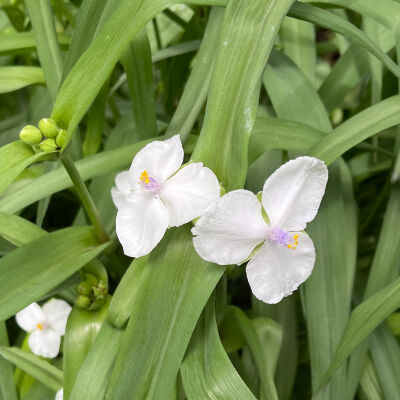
(39, 326)
(296, 236)
(289, 246)
(144, 177)
(296, 242)
(294, 248)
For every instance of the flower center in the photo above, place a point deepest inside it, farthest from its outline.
(149, 183)
(41, 325)
(283, 238)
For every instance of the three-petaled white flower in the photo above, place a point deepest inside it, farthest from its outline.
(156, 193)
(233, 227)
(46, 325)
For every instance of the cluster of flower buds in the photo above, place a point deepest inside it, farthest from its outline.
(48, 137)
(92, 293)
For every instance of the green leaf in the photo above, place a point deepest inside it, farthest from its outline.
(38, 368)
(361, 126)
(138, 67)
(177, 283)
(207, 372)
(125, 296)
(263, 337)
(234, 93)
(328, 291)
(274, 133)
(41, 17)
(94, 374)
(35, 268)
(81, 331)
(17, 230)
(7, 386)
(14, 78)
(292, 95)
(24, 42)
(14, 158)
(363, 320)
(370, 383)
(298, 42)
(331, 21)
(196, 88)
(385, 353)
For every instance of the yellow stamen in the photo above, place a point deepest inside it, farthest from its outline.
(289, 246)
(144, 177)
(296, 236)
(39, 326)
(296, 242)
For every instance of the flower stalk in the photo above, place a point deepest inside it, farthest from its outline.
(84, 196)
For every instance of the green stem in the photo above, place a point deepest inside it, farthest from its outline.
(84, 196)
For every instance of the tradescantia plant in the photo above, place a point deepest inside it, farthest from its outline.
(159, 163)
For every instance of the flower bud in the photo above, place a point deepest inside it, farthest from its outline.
(91, 279)
(30, 135)
(48, 127)
(48, 145)
(98, 292)
(82, 301)
(84, 288)
(61, 137)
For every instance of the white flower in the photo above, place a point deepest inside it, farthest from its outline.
(59, 395)
(156, 193)
(46, 325)
(233, 227)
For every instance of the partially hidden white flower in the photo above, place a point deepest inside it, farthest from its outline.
(59, 395)
(232, 228)
(46, 325)
(156, 193)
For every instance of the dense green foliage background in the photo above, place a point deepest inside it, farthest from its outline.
(247, 85)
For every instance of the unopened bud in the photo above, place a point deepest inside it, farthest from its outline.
(99, 291)
(91, 279)
(48, 145)
(102, 285)
(30, 135)
(84, 288)
(61, 137)
(48, 127)
(82, 301)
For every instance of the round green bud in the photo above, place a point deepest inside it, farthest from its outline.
(30, 135)
(48, 145)
(61, 137)
(48, 127)
(102, 285)
(82, 301)
(84, 288)
(91, 279)
(99, 291)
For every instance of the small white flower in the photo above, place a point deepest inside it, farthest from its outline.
(46, 325)
(233, 227)
(156, 193)
(59, 395)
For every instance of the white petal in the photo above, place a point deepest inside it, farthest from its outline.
(189, 193)
(59, 395)
(141, 224)
(275, 271)
(57, 312)
(293, 193)
(30, 316)
(230, 229)
(45, 343)
(123, 187)
(159, 158)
